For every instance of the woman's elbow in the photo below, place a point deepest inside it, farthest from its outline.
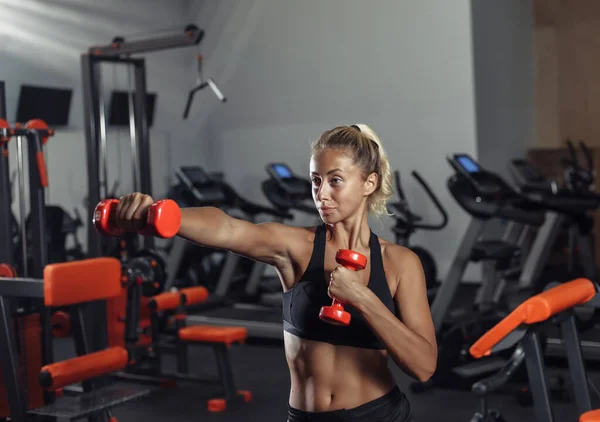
(426, 373)
(428, 367)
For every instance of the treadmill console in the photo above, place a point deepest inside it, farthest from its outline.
(197, 180)
(529, 178)
(195, 175)
(485, 183)
(280, 171)
(286, 179)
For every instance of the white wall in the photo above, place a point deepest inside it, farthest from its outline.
(503, 60)
(41, 43)
(293, 69)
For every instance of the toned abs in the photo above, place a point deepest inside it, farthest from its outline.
(327, 377)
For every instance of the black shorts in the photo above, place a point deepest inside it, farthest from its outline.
(392, 407)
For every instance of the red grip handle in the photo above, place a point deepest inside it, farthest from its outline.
(194, 295)
(83, 368)
(165, 301)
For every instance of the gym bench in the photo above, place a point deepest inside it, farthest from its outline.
(521, 326)
(70, 286)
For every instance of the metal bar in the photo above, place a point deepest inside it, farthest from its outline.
(39, 242)
(491, 279)
(7, 254)
(182, 350)
(576, 365)
(2, 100)
(540, 250)
(447, 290)
(80, 337)
(586, 254)
(225, 372)
(143, 138)
(226, 276)
(22, 211)
(133, 133)
(184, 39)
(9, 361)
(132, 313)
(37, 205)
(178, 247)
(92, 128)
(103, 165)
(22, 287)
(91, 93)
(534, 359)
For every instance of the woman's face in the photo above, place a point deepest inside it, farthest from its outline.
(338, 187)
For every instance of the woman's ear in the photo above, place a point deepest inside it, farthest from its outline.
(371, 183)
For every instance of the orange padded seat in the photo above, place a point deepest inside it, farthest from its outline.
(591, 416)
(210, 334)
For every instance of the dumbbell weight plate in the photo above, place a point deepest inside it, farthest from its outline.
(153, 267)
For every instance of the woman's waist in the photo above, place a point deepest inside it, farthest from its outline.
(337, 387)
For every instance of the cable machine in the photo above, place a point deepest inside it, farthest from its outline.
(121, 51)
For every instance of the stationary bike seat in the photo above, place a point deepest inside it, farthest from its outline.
(494, 250)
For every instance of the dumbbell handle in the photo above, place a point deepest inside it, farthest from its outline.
(162, 220)
(335, 314)
(336, 302)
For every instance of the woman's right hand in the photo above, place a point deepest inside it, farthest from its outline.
(132, 211)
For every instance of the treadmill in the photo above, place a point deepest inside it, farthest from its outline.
(570, 210)
(485, 197)
(229, 307)
(286, 192)
(481, 191)
(195, 189)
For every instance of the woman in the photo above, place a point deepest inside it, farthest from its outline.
(337, 372)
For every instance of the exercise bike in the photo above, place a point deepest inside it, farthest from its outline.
(407, 223)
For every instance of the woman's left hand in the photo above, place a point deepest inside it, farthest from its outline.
(346, 285)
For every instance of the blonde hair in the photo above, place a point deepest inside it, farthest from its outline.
(364, 146)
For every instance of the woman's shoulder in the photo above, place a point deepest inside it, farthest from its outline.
(397, 256)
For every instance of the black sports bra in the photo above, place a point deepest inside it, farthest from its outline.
(302, 303)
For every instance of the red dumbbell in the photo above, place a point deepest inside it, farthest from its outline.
(335, 313)
(163, 219)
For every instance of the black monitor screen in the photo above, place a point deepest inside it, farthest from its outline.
(468, 163)
(52, 105)
(282, 171)
(118, 114)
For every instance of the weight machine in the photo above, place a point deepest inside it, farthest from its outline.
(120, 51)
(6, 238)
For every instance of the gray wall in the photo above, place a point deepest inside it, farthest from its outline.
(431, 78)
(503, 62)
(41, 44)
(294, 69)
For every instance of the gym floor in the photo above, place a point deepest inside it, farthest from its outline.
(263, 370)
